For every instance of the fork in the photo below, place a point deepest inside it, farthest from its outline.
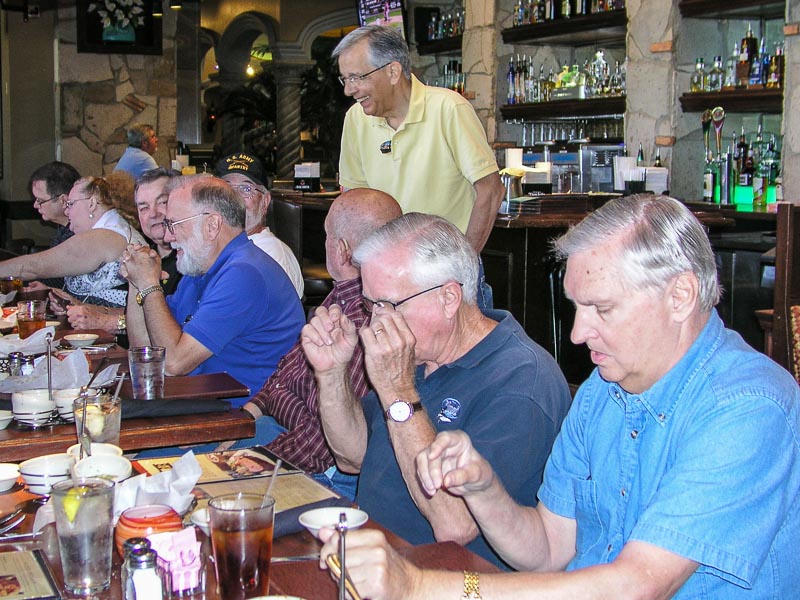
(6, 518)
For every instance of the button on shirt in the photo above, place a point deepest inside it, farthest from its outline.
(705, 464)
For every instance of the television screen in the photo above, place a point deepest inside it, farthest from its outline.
(383, 12)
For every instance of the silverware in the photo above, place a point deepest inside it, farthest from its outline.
(6, 518)
(83, 438)
(332, 560)
(5, 537)
(10, 525)
(342, 527)
(276, 560)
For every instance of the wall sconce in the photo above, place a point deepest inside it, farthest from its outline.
(158, 8)
(175, 4)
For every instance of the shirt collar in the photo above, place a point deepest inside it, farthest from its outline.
(662, 398)
(347, 289)
(416, 104)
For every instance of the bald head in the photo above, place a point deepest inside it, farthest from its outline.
(352, 217)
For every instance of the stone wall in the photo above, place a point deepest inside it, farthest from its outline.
(791, 110)
(101, 95)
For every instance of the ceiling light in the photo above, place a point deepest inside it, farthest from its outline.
(158, 8)
(175, 4)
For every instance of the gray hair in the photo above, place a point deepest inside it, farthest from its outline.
(385, 44)
(138, 133)
(661, 239)
(212, 193)
(438, 251)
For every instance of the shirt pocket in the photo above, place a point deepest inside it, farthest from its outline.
(590, 528)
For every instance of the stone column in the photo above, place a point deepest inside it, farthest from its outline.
(288, 80)
(479, 60)
(791, 106)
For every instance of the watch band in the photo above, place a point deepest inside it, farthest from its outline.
(472, 586)
(146, 292)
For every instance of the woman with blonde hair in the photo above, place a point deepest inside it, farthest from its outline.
(103, 218)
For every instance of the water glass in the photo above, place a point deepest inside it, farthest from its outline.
(241, 538)
(84, 509)
(103, 416)
(146, 365)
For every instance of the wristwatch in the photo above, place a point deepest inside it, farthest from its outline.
(401, 411)
(146, 292)
(122, 325)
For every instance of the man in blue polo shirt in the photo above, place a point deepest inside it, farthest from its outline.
(234, 310)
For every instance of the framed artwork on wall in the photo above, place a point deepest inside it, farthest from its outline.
(118, 27)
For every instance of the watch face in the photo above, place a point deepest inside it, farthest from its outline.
(400, 411)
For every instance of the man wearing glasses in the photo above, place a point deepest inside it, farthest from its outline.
(49, 185)
(436, 363)
(138, 156)
(245, 173)
(422, 145)
(234, 309)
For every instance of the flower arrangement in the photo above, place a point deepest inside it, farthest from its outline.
(119, 13)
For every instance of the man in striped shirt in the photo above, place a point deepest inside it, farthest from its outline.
(290, 394)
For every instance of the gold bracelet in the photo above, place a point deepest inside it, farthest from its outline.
(472, 586)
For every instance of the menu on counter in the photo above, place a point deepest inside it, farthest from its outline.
(223, 466)
(25, 576)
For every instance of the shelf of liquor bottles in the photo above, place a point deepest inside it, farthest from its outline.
(733, 9)
(611, 106)
(449, 45)
(607, 28)
(767, 101)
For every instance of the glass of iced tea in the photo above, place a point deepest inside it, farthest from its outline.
(10, 284)
(30, 317)
(241, 538)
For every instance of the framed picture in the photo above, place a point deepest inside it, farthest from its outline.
(118, 27)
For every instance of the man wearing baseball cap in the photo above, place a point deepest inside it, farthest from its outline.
(245, 174)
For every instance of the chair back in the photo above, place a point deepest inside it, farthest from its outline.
(288, 225)
(787, 285)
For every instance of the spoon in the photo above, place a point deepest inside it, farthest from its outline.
(83, 438)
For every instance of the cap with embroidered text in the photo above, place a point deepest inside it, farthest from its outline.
(244, 164)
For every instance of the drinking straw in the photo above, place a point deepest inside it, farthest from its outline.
(272, 481)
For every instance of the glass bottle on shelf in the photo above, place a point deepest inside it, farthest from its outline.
(566, 9)
(657, 161)
(730, 67)
(640, 156)
(757, 75)
(709, 178)
(775, 73)
(699, 81)
(716, 76)
(510, 79)
(749, 49)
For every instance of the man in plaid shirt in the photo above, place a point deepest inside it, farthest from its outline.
(290, 395)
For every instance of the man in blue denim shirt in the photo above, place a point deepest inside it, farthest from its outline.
(676, 472)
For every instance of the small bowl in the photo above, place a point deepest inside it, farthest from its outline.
(32, 401)
(64, 400)
(141, 521)
(98, 448)
(79, 340)
(201, 519)
(9, 473)
(5, 418)
(329, 517)
(42, 472)
(105, 466)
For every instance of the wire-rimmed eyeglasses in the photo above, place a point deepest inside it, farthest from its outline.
(170, 225)
(41, 201)
(353, 79)
(69, 201)
(369, 304)
(245, 189)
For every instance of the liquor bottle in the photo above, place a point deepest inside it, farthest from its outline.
(566, 9)
(510, 79)
(515, 15)
(741, 153)
(749, 47)
(730, 67)
(757, 74)
(709, 178)
(640, 156)
(432, 28)
(716, 76)
(699, 81)
(746, 176)
(775, 74)
(539, 11)
(657, 161)
(760, 184)
(519, 81)
(530, 83)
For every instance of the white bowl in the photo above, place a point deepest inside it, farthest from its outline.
(32, 401)
(5, 418)
(106, 466)
(97, 448)
(42, 472)
(9, 473)
(79, 340)
(201, 519)
(329, 517)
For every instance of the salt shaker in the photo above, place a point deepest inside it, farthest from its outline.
(143, 580)
(15, 363)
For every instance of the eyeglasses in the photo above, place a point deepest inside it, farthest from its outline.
(40, 201)
(246, 189)
(170, 225)
(353, 79)
(68, 202)
(370, 304)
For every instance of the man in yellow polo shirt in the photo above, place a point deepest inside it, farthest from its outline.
(422, 145)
